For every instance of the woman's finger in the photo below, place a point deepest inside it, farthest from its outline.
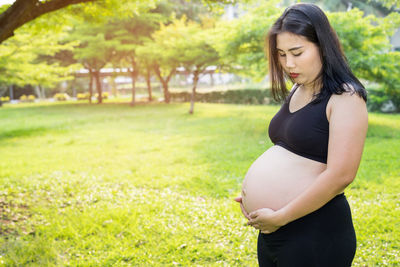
(253, 214)
(238, 199)
(250, 223)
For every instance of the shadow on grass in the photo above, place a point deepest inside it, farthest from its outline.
(24, 132)
(382, 131)
(61, 105)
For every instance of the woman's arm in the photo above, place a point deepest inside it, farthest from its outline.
(348, 124)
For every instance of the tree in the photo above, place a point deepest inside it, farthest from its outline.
(23, 11)
(147, 66)
(23, 59)
(194, 50)
(161, 53)
(388, 3)
(131, 34)
(374, 7)
(240, 42)
(94, 52)
(366, 42)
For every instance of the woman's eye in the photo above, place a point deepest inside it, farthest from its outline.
(282, 55)
(296, 55)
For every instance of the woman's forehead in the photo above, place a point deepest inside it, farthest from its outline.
(287, 41)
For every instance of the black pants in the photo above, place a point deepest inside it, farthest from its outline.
(323, 238)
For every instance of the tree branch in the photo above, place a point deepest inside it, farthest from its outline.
(23, 11)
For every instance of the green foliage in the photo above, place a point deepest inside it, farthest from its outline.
(21, 64)
(159, 190)
(102, 11)
(130, 34)
(193, 10)
(193, 44)
(366, 42)
(94, 49)
(144, 35)
(376, 98)
(162, 49)
(241, 42)
(388, 3)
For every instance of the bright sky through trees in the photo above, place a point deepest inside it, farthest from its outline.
(3, 2)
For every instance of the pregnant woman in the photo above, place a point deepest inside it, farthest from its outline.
(293, 193)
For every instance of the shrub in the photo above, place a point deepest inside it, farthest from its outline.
(5, 99)
(246, 96)
(82, 96)
(104, 95)
(61, 97)
(376, 98)
(23, 98)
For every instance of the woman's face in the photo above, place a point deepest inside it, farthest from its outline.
(299, 58)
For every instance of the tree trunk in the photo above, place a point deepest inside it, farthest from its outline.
(148, 77)
(1, 94)
(164, 82)
(134, 75)
(133, 88)
(98, 87)
(166, 91)
(43, 92)
(11, 92)
(193, 96)
(37, 92)
(90, 85)
(73, 89)
(113, 84)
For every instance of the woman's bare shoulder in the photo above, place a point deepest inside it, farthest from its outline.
(347, 104)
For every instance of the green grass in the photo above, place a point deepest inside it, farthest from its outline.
(112, 185)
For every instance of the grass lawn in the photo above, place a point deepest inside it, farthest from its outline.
(112, 185)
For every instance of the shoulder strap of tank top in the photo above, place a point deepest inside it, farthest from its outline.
(294, 88)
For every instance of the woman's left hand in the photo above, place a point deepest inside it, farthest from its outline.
(266, 220)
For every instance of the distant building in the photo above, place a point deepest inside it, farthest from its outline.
(231, 12)
(395, 40)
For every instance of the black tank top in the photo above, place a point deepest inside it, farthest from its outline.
(304, 132)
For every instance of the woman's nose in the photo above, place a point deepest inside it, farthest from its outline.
(289, 62)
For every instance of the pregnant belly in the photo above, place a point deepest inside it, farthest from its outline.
(277, 177)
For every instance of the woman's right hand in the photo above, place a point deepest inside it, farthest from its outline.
(239, 199)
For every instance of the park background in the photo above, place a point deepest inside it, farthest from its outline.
(128, 126)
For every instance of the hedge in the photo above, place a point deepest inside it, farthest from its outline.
(246, 96)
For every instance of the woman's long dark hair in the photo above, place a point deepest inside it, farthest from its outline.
(309, 20)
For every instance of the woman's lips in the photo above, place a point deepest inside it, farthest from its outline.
(294, 75)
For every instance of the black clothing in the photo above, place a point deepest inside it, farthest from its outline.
(304, 132)
(323, 238)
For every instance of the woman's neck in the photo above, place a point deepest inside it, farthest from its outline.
(312, 88)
